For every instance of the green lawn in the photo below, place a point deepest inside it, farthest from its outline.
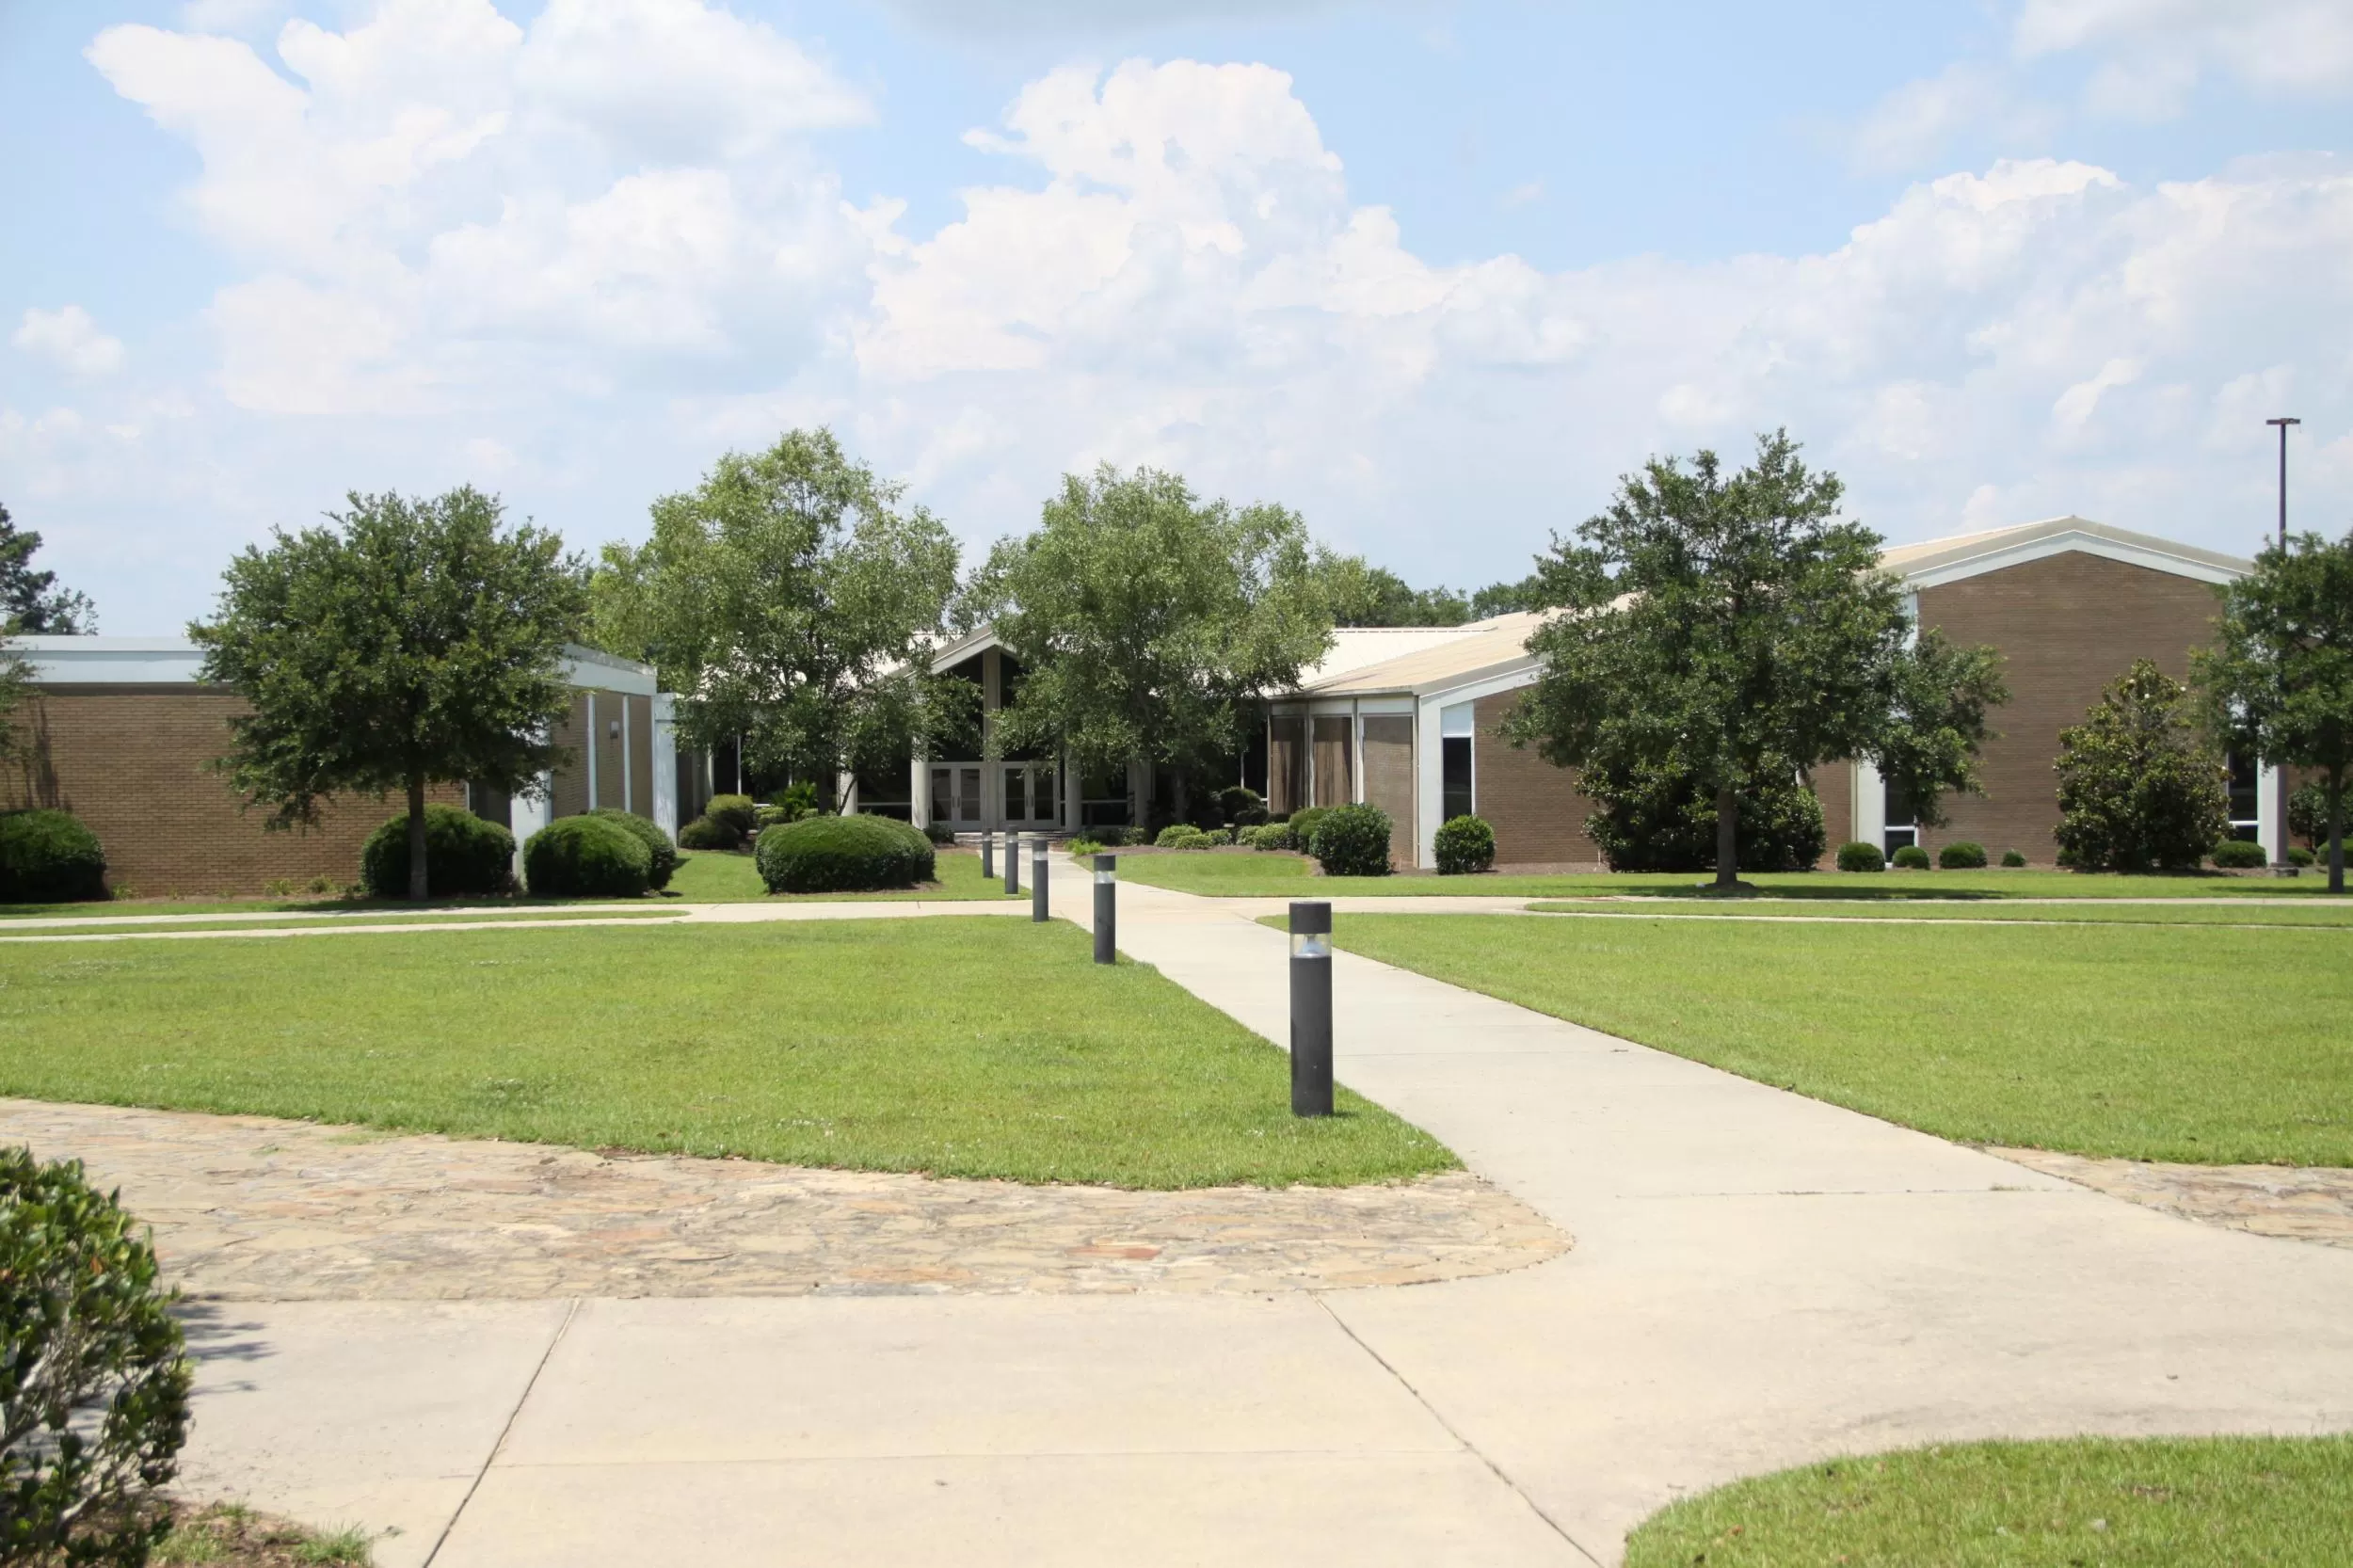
(2241, 912)
(2223, 1502)
(708, 877)
(392, 915)
(2210, 1045)
(970, 1048)
(1233, 873)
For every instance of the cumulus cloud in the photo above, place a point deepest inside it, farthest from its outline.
(1919, 119)
(68, 339)
(2154, 51)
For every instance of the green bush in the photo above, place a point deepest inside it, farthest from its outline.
(2308, 814)
(938, 834)
(843, 855)
(1181, 836)
(1268, 836)
(739, 812)
(2011, 858)
(465, 856)
(587, 858)
(49, 857)
(94, 1382)
(1912, 857)
(2298, 855)
(1857, 856)
(1303, 826)
(2239, 855)
(1962, 857)
(1664, 820)
(1354, 840)
(1464, 845)
(2138, 787)
(702, 833)
(657, 844)
(1242, 806)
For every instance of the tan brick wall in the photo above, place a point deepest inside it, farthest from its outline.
(1389, 778)
(1833, 786)
(1335, 780)
(129, 762)
(2067, 625)
(1536, 809)
(1286, 764)
(569, 797)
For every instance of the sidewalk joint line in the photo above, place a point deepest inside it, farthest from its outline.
(1451, 1430)
(571, 1310)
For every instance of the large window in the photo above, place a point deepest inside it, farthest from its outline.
(1903, 820)
(1458, 797)
(2246, 795)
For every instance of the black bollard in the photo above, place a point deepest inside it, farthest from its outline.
(1037, 877)
(1311, 1009)
(1013, 863)
(1107, 909)
(989, 855)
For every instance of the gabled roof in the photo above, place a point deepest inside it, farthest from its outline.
(1476, 651)
(173, 660)
(1934, 561)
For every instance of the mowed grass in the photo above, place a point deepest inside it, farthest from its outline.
(1238, 874)
(358, 923)
(2224, 1502)
(2205, 1045)
(968, 1048)
(704, 876)
(2108, 912)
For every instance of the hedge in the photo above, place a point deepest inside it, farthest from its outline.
(464, 856)
(843, 855)
(1354, 840)
(2012, 860)
(1303, 826)
(656, 842)
(1962, 856)
(1912, 857)
(2239, 855)
(1182, 836)
(49, 857)
(1857, 856)
(702, 833)
(1464, 845)
(590, 856)
(739, 814)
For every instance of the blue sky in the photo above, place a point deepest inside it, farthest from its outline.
(1434, 274)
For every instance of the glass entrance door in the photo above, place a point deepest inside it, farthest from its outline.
(957, 794)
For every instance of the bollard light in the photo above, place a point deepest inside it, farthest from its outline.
(1037, 877)
(989, 855)
(1311, 1009)
(1107, 909)
(1013, 863)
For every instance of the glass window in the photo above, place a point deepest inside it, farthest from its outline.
(1017, 794)
(2245, 793)
(1903, 820)
(967, 794)
(943, 796)
(1456, 763)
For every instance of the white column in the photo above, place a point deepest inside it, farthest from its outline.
(1429, 779)
(1073, 794)
(2271, 828)
(1870, 806)
(919, 789)
(1355, 751)
(530, 814)
(664, 752)
(591, 748)
(629, 768)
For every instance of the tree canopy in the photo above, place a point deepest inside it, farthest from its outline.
(31, 604)
(792, 604)
(2140, 790)
(1365, 595)
(1724, 626)
(416, 642)
(2278, 682)
(1144, 618)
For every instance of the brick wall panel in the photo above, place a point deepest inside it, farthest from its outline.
(1536, 809)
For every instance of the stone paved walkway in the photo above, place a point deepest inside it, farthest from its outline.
(2305, 1203)
(254, 1209)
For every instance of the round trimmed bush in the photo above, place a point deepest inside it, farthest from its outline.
(1242, 807)
(940, 834)
(702, 833)
(1962, 857)
(1464, 845)
(96, 1377)
(843, 855)
(2298, 855)
(1181, 836)
(739, 813)
(2012, 860)
(588, 857)
(656, 842)
(2239, 855)
(1303, 826)
(49, 857)
(464, 856)
(1912, 857)
(1857, 856)
(1354, 840)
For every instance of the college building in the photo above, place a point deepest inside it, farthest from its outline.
(119, 731)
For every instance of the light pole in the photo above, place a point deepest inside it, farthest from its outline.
(2283, 425)
(1311, 1009)
(1107, 909)
(1037, 877)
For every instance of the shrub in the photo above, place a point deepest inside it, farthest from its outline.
(1663, 820)
(2137, 788)
(2298, 855)
(656, 842)
(2307, 813)
(702, 833)
(1464, 845)
(738, 812)
(2239, 855)
(2011, 858)
(1911, 857)
(464, 854)
(1243, 806)
(1080, 847)
(95, 1381)
(844, 855)
(1303, 826)
(795, 801)
(49, 857)
(1858, 856)
(1181, 836)
(938, 834)
(586, 858)
(1354, 840)
(1962, 857)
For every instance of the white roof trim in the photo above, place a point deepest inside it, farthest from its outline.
(173, 660)
(2204, 565)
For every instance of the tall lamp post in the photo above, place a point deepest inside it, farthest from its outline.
(2283, 425)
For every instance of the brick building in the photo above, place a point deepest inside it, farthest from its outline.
(119, 731)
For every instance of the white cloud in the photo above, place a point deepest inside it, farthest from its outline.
(2154, 51)
(68, 338)
(1919, 119)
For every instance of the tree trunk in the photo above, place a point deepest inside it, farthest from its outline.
(416, 838)
(1727, 837)
(2336, 835)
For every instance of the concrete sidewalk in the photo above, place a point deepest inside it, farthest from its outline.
(1758, 1280)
